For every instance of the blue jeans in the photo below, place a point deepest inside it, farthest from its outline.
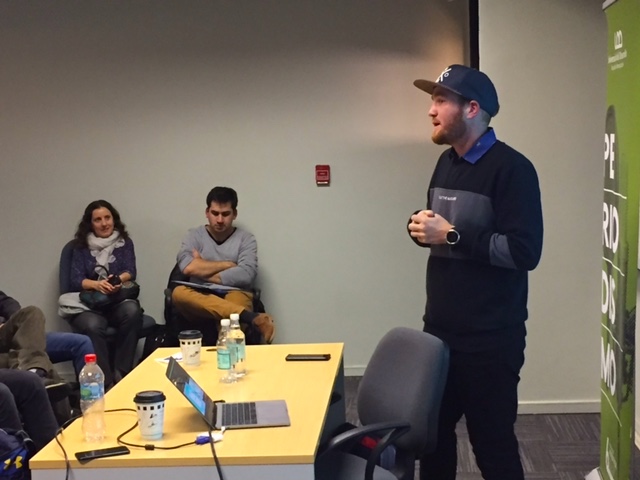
(126, 318)
(64, 346)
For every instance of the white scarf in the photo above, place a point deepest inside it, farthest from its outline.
(102, 250)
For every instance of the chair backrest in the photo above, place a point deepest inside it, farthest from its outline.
(64, 274)
(404, 381)
(176, 274)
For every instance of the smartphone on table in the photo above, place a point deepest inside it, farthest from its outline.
(84, 457)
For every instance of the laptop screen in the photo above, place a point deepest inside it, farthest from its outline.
(195, 395)
(191, 390)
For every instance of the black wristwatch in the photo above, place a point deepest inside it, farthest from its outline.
(453, 237)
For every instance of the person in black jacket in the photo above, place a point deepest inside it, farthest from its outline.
(22, 394)
(483, 224)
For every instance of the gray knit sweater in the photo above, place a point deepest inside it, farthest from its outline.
(240, 248)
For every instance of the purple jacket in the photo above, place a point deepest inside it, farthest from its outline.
(83, 264)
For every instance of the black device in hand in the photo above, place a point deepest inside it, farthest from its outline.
(114, 280)
(84, 457)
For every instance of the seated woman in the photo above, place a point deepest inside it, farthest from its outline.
(102, 242)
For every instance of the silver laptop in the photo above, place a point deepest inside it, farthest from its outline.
(218, 414)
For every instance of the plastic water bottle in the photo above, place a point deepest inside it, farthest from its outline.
(226, 354)
(237, 335)
(91, 381)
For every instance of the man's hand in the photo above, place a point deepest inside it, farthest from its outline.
(206, 269)
(429, 227)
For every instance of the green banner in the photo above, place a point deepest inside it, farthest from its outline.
(620, 241)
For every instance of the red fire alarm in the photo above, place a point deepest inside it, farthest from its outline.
(323, 175)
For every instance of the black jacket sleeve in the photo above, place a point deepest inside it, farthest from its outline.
(8, 306)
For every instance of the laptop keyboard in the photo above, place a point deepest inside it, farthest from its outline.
(239, 414)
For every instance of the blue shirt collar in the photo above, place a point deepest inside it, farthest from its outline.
(482, 146)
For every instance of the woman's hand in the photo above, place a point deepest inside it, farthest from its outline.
(103, 286)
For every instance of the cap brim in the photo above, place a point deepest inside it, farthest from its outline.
(425, 85)
(429, 86)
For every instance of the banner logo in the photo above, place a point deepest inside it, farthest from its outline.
(617, 40)
(617, 58)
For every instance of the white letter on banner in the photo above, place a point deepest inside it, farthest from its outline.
(614, 228)
(612, 300)
(608, 297)
(605, 225)
(610, 227)
(605, 292)
(608, 367)
(609, 152)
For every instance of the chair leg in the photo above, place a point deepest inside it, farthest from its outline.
(150, 343)
(61, 410)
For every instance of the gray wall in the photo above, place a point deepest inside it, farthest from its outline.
(548, 60)
(149, 105)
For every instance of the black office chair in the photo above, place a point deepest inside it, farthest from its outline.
(149, 325)
(175, 322)
(399, 402)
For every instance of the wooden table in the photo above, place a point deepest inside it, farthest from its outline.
(266, 453)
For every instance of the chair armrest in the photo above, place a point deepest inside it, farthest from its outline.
(352, 436)
(395, 430)
(168, 304)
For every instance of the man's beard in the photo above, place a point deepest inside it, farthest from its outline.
(451, 135)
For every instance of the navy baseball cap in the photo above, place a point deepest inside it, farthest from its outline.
(469, 83)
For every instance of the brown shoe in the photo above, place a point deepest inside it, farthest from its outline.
(264, 323)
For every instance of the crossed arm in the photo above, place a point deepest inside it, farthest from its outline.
(206, 269)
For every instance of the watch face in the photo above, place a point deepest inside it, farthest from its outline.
(452, 237)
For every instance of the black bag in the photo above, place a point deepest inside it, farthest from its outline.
(16, 448)
(96, 300)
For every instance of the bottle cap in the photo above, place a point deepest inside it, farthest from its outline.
(90, 357)
(234, 316)
(225, 322)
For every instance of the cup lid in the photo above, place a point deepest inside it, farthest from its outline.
(188, 334)
(149, 396)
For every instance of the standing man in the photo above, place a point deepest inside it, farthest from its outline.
(483, 224)
(222, 263)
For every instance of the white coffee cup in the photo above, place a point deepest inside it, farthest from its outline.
(150, 407)
(190, 344)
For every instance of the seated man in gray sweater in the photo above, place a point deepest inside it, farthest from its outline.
(222, 263)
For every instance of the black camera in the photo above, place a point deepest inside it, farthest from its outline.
(114, 280)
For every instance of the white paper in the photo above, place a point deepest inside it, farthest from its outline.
(177, 356)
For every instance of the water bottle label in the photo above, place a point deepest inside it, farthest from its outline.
(224, 359)
(91, 391)
(241, 352)
(233, 353)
